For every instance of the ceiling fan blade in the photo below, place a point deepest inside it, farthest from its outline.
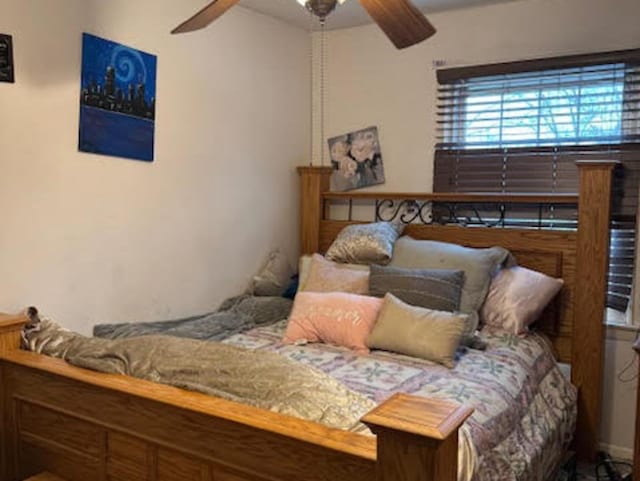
(403, 23)
(205, 16)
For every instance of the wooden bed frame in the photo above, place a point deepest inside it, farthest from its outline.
(83, 425)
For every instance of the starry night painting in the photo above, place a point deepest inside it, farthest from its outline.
(118, 100)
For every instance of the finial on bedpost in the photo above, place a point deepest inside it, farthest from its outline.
(417, 438)
(592, 265)
(314, 181)
(11, 331)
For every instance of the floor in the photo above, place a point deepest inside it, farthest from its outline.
(587, 472)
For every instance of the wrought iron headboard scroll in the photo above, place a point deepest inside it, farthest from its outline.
(555, 211)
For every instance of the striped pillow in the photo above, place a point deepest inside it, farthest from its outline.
(438, 289)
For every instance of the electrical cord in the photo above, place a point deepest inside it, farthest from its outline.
(610, 468)
(630, 364)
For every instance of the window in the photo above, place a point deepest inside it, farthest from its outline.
(520, 127)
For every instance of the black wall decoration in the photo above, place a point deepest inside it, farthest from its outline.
(6, 58)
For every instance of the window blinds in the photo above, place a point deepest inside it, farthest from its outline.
(520, 127)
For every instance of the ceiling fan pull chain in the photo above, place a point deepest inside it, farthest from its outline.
(323, 40)
(312, 67)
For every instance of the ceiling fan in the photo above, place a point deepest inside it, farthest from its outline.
(400, 20)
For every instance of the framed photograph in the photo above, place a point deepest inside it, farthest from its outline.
(117, 100)
(6, 59)
(356, 160)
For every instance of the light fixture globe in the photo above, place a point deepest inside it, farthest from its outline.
(320, 8)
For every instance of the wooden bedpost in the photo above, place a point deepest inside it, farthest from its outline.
(10, 338)
(592, 261)
(10, 331)
(313, 182)
(417, 438)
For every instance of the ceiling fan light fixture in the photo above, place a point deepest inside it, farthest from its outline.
(320, 8)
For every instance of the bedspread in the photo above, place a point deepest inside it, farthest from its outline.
(256, 378)
(525, 410)
(235, 315)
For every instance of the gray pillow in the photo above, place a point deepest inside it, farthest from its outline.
(365, 243)
(437, 289)
(478, 266)
(418, 332)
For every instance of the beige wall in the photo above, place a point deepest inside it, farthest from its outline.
(619, 393)
(89, 238)
(371, 83)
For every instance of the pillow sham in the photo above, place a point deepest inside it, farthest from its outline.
(335, 318)
(365, 243)
(418, 332)
(327, 276)
(437, 289)
(517, 296)
(478, 266)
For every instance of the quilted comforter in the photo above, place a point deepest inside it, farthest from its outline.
(525, 409)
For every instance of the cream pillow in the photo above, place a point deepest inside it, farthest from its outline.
(417, 331)
(318, 274)
(517, 296)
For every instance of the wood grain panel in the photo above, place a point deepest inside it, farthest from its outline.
(45, 477)
(313, 182)
(65, 431)
(226, 475)
(39, 366)
(476, 197)
(129, 458)
(10, 329)
(72, 467)
(190, 432)
(174, 466)
(417, 438)
(590, 301)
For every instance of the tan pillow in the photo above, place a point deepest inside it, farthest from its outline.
(417, 331)
(327, 276)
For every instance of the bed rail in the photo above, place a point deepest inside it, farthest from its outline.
(81, 425)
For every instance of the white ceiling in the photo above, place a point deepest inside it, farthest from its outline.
(350, 14)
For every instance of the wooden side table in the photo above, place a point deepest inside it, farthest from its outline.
(636, 447)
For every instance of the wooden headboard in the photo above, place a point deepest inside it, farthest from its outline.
(574, 322)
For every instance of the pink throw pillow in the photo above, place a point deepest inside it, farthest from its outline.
(328, 276)
(335, 318)
(517, 296)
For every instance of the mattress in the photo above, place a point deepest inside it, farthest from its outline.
(525, 409)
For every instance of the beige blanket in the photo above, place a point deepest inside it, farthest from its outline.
(256, 378)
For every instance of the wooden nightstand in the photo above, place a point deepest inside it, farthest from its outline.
(636, 447)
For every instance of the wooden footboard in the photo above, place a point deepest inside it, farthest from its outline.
(84, 425)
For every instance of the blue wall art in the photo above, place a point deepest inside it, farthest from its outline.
(118, 100)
